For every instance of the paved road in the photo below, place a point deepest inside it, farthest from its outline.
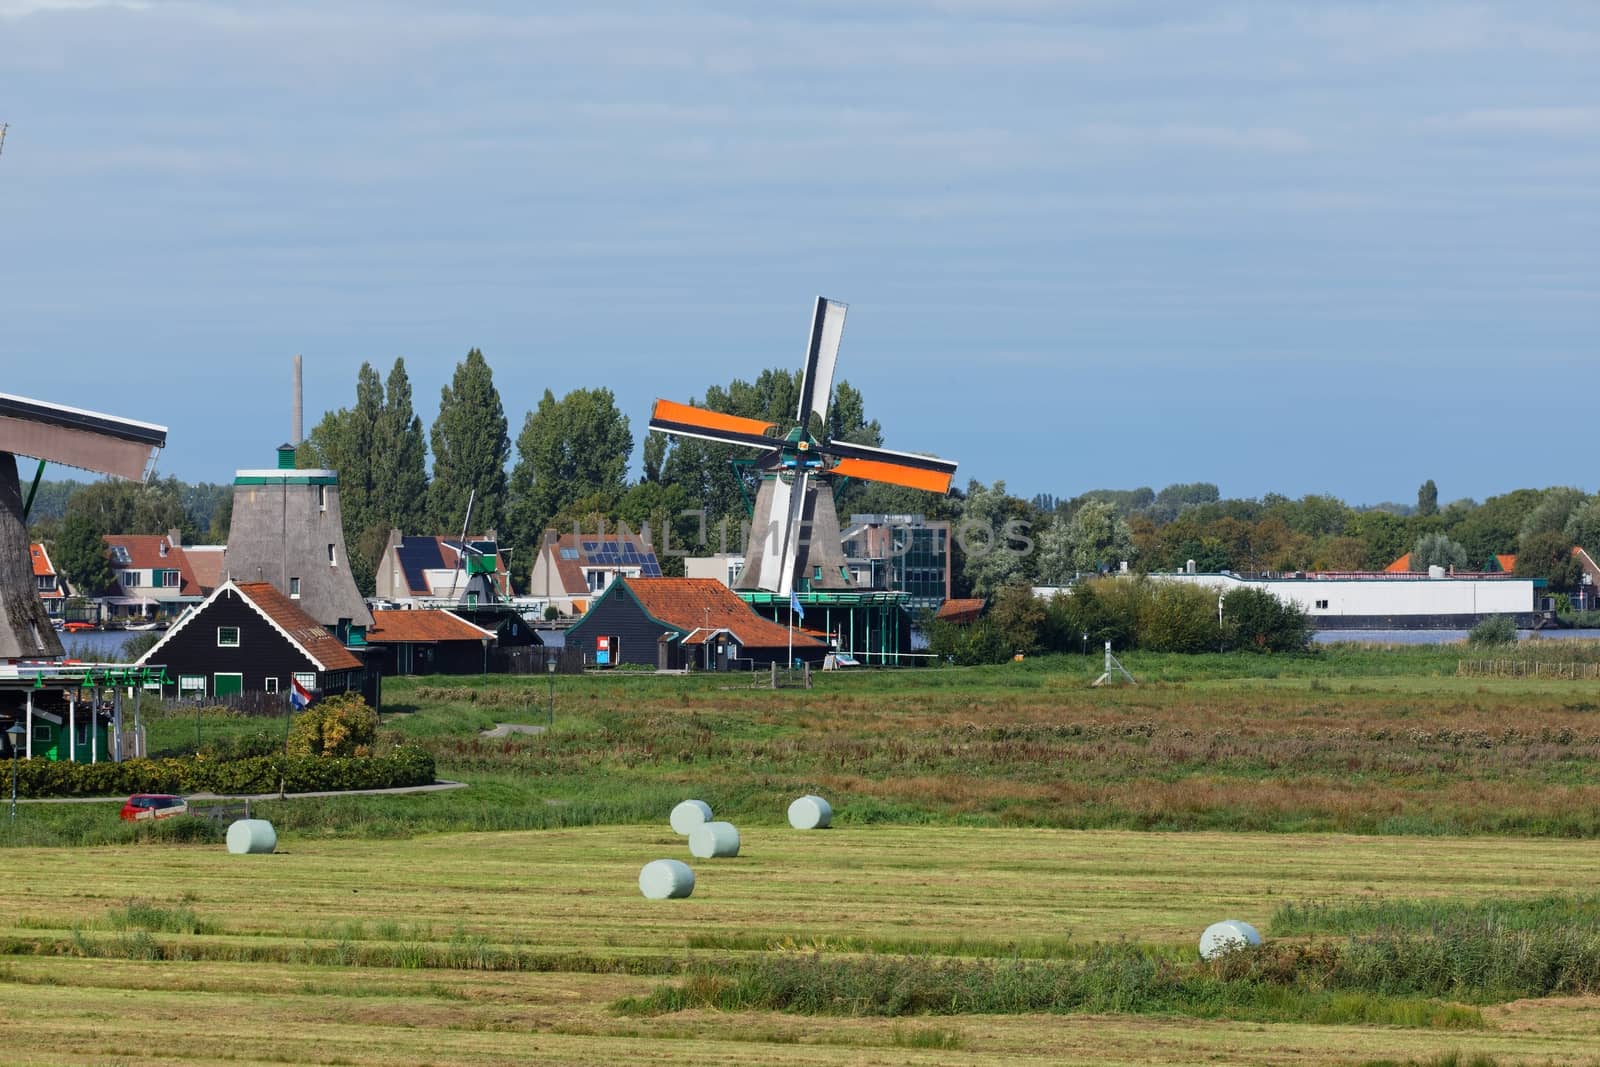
(436, 787)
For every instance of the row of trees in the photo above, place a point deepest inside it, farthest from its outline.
(569, 464)
(1140, 613)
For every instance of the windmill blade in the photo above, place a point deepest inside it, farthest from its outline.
(791, 533)
(822, 353)
(685, 420)
(775, 538)
(897, 468)
(74, 437)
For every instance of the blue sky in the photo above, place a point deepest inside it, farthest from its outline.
(1295, 247)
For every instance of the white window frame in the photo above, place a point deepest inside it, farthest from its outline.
(129, 579)
(237, 637)
(309, 680)
(322, 498)
(171, 579)
(191, 683)
(294, 588)
(271, 684)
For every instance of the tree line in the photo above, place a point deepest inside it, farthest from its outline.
(568, 464)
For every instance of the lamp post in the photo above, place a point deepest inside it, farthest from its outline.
(485, 659)
(550, 668)
(15, 733)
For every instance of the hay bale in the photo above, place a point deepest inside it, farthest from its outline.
(1227, 936)
(714, 839)
(688, 815)
(666, 880)
(810, 813)
(251, 837)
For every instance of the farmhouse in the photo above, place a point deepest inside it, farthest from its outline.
(678, 623)
(447, 569)
(573, 568)
(428, 641)
(247, 637)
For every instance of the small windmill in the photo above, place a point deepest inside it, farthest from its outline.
(794, 539)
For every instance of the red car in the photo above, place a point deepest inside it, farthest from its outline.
(143, 806)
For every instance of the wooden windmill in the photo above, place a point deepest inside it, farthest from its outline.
(53, 433)
(794, 539)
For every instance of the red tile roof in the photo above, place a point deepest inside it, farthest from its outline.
(1399, 566)
(961, 611)
(318, 643)
(570, 571)
(422, 625)
(205, 562)
(145, 553)
(691, 604)
(41, 561)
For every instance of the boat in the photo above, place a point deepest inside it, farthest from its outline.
(145, 624)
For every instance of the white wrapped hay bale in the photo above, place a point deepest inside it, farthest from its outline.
(810, 813)
(666, 880)
(714, 839)
(688, 815)
(1226, 936)
(251, 837)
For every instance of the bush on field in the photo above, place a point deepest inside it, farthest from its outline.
(340, 725)
(1497, 630)
(967, 646)
(258, 774)
(1178, 617)
(1257, 621)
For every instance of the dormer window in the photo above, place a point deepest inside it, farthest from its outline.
(119, 554)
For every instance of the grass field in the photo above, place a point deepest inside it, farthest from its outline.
(1019, 871)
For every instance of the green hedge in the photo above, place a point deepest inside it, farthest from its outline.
(257, 774)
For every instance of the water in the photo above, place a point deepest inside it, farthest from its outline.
(1439, 637)
(96, 646)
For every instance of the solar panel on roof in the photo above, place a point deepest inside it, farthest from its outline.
(591, 546)
(650, 570)
(418, 554)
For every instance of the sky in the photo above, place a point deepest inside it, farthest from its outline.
(1294, 246)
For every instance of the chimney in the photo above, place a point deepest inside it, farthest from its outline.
(297, 425)
(175, 538)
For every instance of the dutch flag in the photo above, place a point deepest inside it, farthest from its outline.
(299, 695)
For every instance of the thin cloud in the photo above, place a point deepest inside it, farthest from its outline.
(1530, 120)
(17, 9)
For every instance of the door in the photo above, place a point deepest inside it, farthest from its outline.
(227, 685)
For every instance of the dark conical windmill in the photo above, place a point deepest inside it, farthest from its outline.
(53, 433)
(794, 538)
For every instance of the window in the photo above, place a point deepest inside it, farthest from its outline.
(45, 582)
(171, 579)
(322, 498)
(191, 683)
(272, 685)
(130, 579)
(307, 680)
(333, 560)
(41, 733)
(119, 554)
(294, 589)
(596, 579)
(1322, 605)
(569, 553)
(227, 637)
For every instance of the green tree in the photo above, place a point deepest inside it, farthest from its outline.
(1257, 621)
(569, 449)
(995, 538)
(1018, 617)
(470, 449)
(1548, 555)
(1437, 550)
(1091, 539)
(80, 553)
(1428, 499)
(1492, 528)
(1553, 511)
(400, 459)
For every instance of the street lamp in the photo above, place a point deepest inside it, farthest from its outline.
(15, 733)
(486, 659)
(550, 668)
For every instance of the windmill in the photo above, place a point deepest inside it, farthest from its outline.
(794, 539)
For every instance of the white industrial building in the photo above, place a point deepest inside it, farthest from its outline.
(1434, 601)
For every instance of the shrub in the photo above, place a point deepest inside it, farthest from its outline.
(256, 774)
(1259, 622)
(342, 725)
(1496, 630)
(1177, 617)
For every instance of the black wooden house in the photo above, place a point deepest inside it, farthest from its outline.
(247, 637)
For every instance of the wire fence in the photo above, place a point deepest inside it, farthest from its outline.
(1521, 668)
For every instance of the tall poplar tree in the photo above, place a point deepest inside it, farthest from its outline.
(470, 449)
(571, 449)
(400, 458)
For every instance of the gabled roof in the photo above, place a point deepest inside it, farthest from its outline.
(300, 629)
(205, 561)
(41, 561)
(690, 604)
(145, 553)
(1399, 566)
(419, 553)
(422, 626)
(961, 610)
(571, 553)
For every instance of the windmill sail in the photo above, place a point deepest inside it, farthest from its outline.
(795, 540)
